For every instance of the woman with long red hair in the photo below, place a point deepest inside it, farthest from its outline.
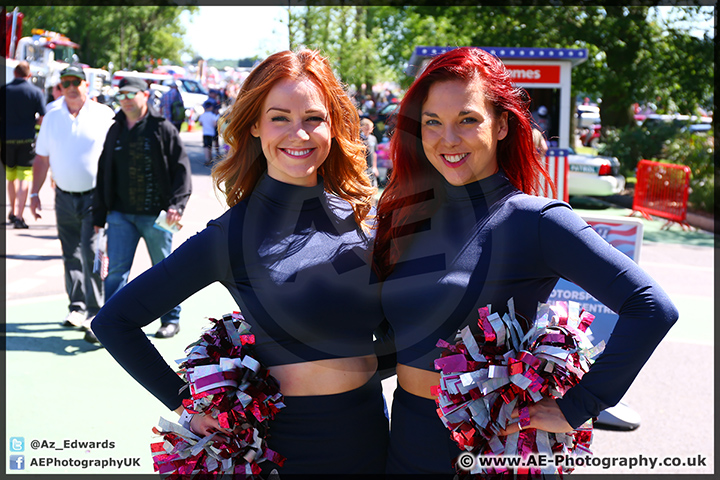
(460, 228)
(293, 251)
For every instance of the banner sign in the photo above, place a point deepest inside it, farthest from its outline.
(534, 73)
(626, 235)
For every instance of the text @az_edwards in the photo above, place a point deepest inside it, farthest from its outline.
(71, 445)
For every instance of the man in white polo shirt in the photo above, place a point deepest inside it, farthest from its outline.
(70, 142)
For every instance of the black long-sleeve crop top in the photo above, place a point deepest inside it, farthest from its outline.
(294, 260)
(486, 243)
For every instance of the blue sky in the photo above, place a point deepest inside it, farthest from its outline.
(233, 32)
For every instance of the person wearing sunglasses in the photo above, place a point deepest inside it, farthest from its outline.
(69, 143)
(143, 170)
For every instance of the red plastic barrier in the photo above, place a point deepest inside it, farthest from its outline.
(662, 190)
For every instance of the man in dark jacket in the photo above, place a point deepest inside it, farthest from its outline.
(143, 171)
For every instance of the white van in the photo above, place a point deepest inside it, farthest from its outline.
(150, 78)
(191, 91)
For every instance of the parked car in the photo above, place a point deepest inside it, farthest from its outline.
(697, 128)
(192, 92)
(385, 112)
(594, 175)
(587, 115)
(150, 78)
(676, 119)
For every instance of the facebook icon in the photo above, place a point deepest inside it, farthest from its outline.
(17, 462)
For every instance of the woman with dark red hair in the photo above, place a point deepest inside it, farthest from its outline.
(293, 250)
(460, 228)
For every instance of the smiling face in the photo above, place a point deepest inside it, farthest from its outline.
(460, 131)
(294, 129)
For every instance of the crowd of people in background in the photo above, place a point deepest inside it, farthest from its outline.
(368, 104)
(93, 200)
(112, 172)
(374, 128)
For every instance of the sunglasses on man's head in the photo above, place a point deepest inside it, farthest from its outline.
(74, 82)
(123, 96)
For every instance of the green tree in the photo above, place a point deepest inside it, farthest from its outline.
(687, 66)
(158, 32)
(127, 36)
(623, 36)
(350, 37)
(633, 56)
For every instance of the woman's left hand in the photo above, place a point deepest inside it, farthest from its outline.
(544, 415)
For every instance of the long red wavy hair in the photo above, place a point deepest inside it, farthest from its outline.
(343, 171)
(414, 179)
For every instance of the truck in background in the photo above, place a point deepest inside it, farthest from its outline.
(48, 53)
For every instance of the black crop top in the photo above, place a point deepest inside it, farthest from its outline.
(487, 243)
(295, 262)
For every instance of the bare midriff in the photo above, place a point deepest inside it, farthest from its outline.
(324, 377)
(417, 381)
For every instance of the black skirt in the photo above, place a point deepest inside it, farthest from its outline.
(419, 441)
(340, 434)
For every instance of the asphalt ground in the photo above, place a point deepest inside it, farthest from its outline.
(61, 391)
